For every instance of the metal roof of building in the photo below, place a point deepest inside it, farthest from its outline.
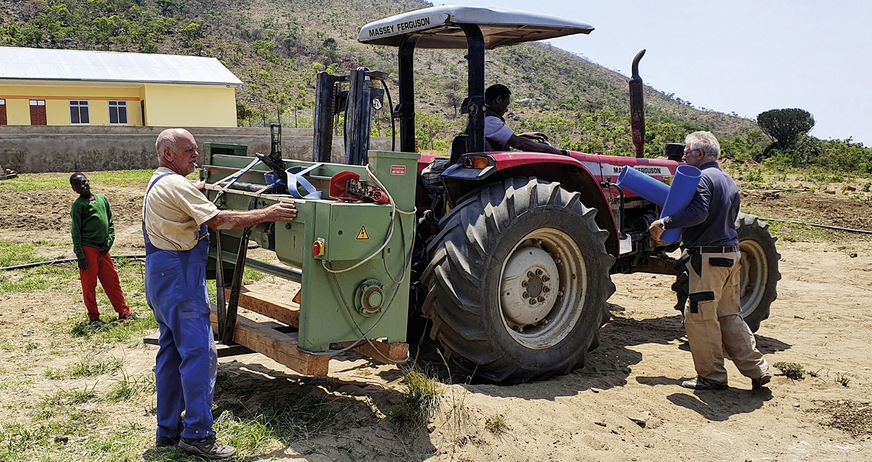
(107, 66)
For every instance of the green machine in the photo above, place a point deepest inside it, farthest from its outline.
(349, 247)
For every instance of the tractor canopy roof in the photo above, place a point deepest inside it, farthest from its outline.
(439, 27)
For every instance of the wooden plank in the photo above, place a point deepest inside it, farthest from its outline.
(396, 351)
(278, 307)
(270, 305)
(223, 350)
(263, 338)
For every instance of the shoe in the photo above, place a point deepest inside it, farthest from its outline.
(168, 441)
(761, 382)
(207, 447)
(96, 322)
(130, 317)
(700, 383)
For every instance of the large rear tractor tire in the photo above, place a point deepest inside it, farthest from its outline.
(518, 281)
(760, 275)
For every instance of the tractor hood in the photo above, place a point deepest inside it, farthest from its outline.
(438, 27)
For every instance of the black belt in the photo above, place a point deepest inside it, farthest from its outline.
(714, 249)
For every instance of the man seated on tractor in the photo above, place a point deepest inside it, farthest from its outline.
(497, 98)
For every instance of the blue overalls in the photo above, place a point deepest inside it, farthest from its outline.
(187, 361)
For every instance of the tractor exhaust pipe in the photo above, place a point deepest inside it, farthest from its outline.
(637, 109)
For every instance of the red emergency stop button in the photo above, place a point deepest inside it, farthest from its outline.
(318, 247)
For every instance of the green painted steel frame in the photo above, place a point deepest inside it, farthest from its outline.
(367, 246)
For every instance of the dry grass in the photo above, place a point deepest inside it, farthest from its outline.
(853, 417)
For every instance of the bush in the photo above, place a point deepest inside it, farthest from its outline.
(744, 148)
(806, 150)
(846, 156)
(793, 371)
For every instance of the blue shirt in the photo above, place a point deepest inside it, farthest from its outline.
(710, 219)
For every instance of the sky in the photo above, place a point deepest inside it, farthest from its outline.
(742, 56)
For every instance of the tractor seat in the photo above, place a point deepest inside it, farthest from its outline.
(459, 147)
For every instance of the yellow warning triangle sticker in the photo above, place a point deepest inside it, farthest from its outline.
(362, 234)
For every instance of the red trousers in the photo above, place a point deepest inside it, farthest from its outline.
(100, 267)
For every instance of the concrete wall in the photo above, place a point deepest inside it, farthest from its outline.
(34, 149)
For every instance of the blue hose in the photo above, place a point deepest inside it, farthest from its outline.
(671, 199)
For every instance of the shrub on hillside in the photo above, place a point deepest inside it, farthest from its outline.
(846, 156)
(804, 151)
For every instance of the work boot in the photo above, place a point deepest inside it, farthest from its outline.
(207, 447)
(700, 383)
(96, 322)
(130, 317)
(761, 382)
(168, 441)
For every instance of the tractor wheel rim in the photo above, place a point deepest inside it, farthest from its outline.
(541, 281)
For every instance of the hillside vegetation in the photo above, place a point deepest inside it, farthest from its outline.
(276, 47)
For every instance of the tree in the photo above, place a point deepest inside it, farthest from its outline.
(192, 31)
(785, 125)
(169, 7)
(103, 30)
(242, 113)
(453, 93)
(429, 126)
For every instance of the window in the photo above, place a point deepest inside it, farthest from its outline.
(118, 112)
(2, 112)
(79, 112)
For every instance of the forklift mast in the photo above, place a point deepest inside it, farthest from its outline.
(357, 102)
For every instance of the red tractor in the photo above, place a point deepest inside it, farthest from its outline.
(514, 251)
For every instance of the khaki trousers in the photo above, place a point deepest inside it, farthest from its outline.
(713, 322)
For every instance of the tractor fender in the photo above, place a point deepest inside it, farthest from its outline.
(570, 173)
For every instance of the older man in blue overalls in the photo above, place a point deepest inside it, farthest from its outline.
(176, 215)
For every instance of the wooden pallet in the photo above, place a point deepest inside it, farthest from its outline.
(257, 330)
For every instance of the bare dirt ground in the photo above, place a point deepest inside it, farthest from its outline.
(625, 404)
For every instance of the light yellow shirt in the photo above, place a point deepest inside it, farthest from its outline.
(174, 210)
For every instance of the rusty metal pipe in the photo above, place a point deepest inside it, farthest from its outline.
(637, 107)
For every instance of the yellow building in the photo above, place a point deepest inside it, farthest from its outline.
(71, 87)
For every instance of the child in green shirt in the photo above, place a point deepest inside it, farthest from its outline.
(93, 233)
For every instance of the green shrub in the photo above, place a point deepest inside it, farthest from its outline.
(420, 403)
(793, 371)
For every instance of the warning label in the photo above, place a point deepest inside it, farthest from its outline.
(398, 169)
(362, 234)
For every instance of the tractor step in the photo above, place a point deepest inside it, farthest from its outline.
(257, 331)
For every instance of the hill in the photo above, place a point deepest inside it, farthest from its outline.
(277, 47)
